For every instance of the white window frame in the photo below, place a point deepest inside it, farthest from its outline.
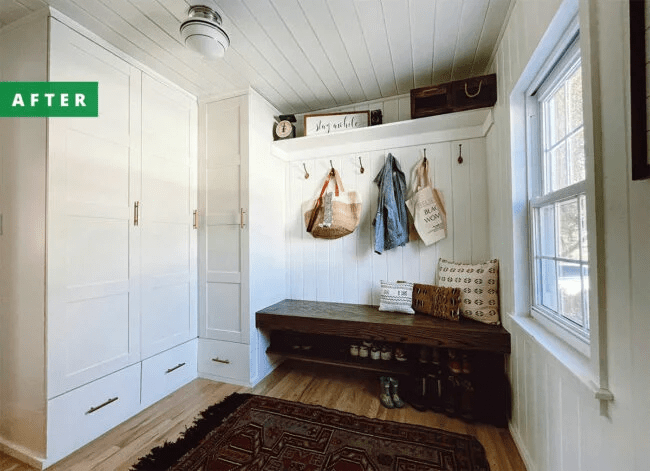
(589, 365)
(555, 71)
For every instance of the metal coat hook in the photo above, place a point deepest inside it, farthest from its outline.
(306, 173)
(361, 163)
(460, 153)
(425, 155)
(332, 171)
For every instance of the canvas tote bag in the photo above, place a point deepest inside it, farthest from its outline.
(332, 214)
(426, 207)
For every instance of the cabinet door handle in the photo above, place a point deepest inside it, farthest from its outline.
(180, 365)
(241, 214)
(95, 409)
(136, 213)
(219, 360)
(196, 219)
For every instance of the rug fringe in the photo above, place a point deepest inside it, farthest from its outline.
(165, 456)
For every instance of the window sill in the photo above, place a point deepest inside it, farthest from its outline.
(561, 332)
(574, 361)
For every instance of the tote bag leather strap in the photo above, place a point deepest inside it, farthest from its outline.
(338, 184)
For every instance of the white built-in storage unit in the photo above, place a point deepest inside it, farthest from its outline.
(98, 246)
(242, 261)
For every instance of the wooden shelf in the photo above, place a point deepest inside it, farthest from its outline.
(367, 322)
(379, 366)
(442, 128)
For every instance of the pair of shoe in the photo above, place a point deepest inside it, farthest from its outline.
(389, 396)
(458, 365)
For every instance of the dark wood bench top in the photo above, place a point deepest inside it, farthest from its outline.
(367, 322)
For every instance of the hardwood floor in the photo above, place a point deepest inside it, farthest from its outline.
(338, 388)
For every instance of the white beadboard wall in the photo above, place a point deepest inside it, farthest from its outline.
(556, 420)
(348, 270)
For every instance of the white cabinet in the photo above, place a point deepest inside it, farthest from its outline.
(98, 291)
(224, 360)
(122, 192)
(168, 371)
(241, 235)
(93, 246)
(224, 229)
(81, 415)
(167, 233)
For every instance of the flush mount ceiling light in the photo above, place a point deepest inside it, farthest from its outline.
(202, 32)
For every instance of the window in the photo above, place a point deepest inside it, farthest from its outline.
(557, 198)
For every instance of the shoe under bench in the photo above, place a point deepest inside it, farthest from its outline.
(322, 332)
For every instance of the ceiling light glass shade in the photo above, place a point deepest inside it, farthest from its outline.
(202, 33)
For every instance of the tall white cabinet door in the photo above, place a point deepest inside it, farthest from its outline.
(168, 238)
(223, 236)
(92, 259)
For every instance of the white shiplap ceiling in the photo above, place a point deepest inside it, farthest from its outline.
(301, 55)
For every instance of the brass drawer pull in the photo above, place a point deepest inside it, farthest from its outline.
(95, 409)
(175, 368)
(219, 360)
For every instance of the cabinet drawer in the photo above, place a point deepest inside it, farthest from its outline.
(224, 359)
(83, 414)
(166, 372)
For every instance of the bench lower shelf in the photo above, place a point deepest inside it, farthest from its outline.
(378, 366)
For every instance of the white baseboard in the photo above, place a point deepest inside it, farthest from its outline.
(22, 454)
(272, 365)
(523, 451)
(223, 379)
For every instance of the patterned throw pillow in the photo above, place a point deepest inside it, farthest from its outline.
(479, 286)
(396, 297)
(437, 301)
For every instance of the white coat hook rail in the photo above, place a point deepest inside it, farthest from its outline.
(460, 154)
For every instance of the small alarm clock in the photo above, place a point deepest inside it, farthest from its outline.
(285, 129)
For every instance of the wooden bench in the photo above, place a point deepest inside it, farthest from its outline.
(322, 332)
(367, 322)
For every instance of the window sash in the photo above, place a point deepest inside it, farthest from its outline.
(563, 194)
(540, 196)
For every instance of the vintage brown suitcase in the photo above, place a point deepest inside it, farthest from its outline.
(461, 95)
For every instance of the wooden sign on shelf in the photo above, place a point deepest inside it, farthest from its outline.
(330, 123)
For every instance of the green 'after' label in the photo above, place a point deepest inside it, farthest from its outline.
(49, 99)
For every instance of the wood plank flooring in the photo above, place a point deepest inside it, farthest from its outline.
(338, 388)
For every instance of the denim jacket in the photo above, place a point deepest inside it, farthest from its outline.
(391, 223)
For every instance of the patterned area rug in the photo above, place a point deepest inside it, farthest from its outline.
(247, 432)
